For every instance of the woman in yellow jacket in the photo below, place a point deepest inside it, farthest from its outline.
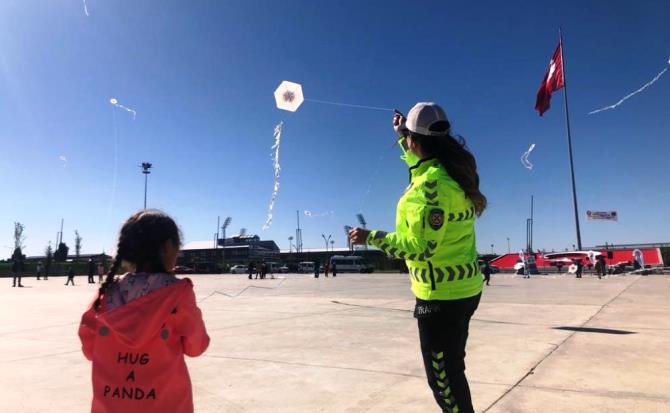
(435, 236)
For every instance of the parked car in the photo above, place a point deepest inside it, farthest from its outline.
(283, 269)
(306, 267)
(239, 269)
(351, 264)
(180, 269)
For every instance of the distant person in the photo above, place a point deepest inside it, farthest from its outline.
(101, 271)
(326, 269)
(603, 265)
(334, 269)
(141, 324)
(251, 268)
(487, 272)
(47, 269)
(17, 269)
(264, 269)
(91, 271)
(317, 264)
(39, 270)
(580, 268)
(435, 235)
(70, 276)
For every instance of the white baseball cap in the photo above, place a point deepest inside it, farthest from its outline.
(425, 115)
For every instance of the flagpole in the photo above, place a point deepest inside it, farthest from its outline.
(572, 166)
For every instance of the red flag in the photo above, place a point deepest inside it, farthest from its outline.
(553, 81)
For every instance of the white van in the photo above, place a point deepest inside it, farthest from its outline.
(306, 267)
(350, 264)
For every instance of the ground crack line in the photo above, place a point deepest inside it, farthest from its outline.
(532, 369)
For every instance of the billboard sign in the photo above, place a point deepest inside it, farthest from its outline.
(602, 215)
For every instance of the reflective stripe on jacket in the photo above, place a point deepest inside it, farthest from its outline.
(435, 235)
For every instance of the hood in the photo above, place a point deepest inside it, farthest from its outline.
(136, 322)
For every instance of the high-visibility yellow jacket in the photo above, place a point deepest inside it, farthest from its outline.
(435, 235)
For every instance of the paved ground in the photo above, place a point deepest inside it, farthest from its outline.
(350, 344)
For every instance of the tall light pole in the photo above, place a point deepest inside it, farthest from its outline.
(361, 220)
(332, 245)
(226, 222)
(492, 253)
(146, 170)
(298, 234)
(290, 244)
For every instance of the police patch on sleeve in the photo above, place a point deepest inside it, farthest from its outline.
(436, 218)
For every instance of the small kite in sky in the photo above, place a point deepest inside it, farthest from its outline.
(86, 8)
(630, 95)
(524, 158)
(116, 103)
(311, 214)
(289, 96)
(64, 160)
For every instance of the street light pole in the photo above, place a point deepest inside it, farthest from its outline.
(327, 240)
(226, 222)
(146, 166)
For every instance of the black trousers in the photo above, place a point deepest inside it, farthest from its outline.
(443, 330)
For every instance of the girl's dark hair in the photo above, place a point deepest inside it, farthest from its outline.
(454, 156)
(140, 241)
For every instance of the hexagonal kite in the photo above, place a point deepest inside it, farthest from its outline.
(289, 96)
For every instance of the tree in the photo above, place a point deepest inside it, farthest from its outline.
(77, 244)
(48, 252)
(61, 252)
(18, 236)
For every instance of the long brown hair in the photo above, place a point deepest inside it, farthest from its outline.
(140, 241)
(457, 160)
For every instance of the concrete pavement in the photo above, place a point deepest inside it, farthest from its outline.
(349, 344)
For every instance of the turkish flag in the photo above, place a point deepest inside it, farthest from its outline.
(553, 81)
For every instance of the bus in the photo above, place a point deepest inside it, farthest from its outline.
(350, 264)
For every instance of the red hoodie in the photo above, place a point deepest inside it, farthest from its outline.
(138, 351)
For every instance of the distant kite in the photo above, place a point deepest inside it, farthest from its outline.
(524, 158)
(630, 95)
(116, 103)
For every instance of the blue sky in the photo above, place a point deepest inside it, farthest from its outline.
(201, 77)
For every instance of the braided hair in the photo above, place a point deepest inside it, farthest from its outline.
(140, 241)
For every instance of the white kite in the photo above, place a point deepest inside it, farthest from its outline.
(277, 167)
(311, 214)
(524, 158)
(288, 96)
(630, 95)
(116, 103)
(86, 8)
(64, 160)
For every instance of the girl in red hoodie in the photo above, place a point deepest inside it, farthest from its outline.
(141, 324)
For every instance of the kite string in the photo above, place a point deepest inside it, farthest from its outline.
(350, 105)
(630, 95)
(115, 170)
